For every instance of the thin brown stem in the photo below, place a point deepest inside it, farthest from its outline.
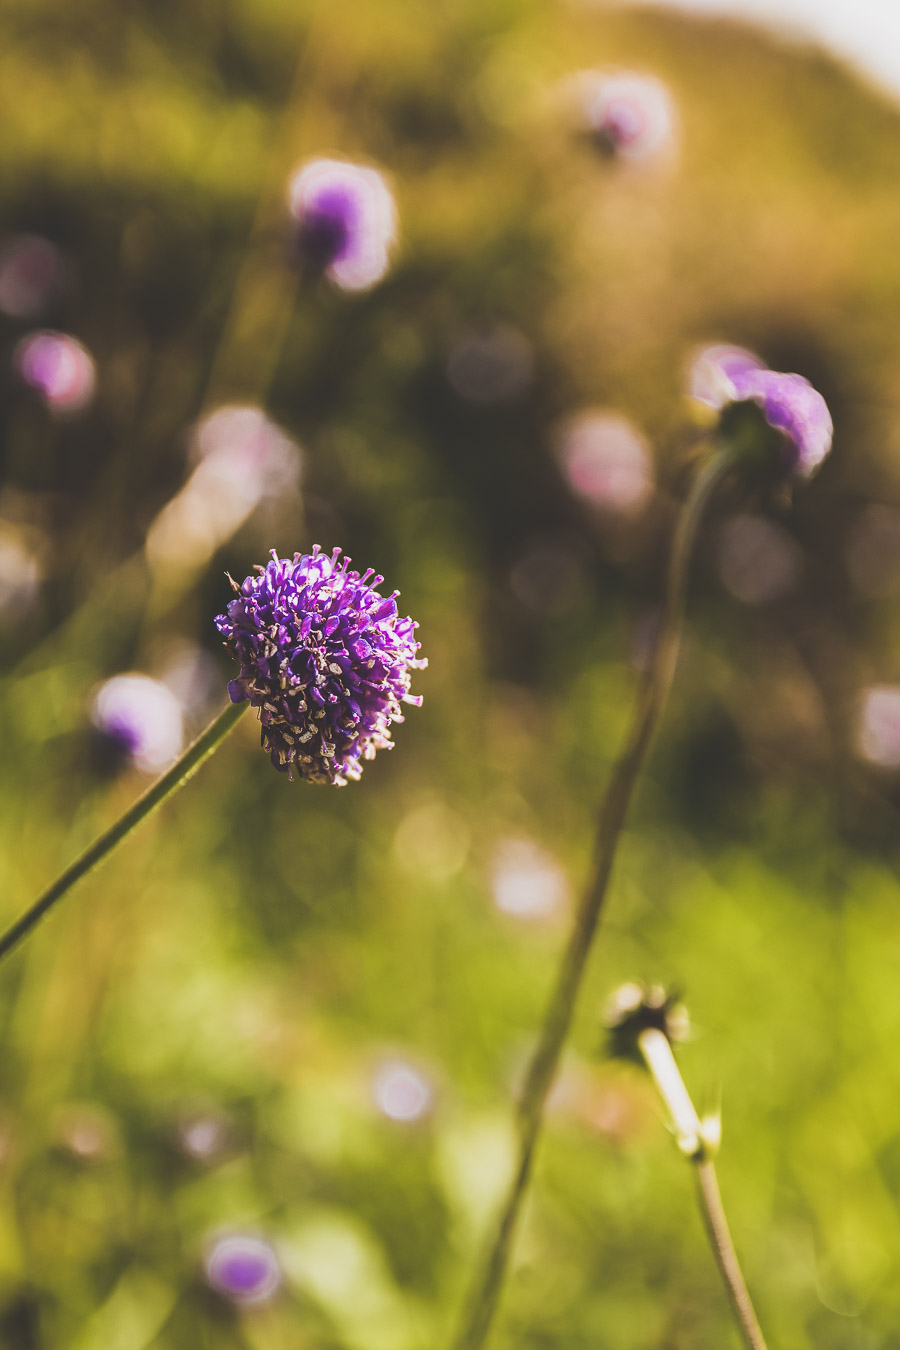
(651, 699)
(656, 1050)
(726, 1257)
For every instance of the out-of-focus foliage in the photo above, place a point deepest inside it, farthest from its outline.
(260, 967)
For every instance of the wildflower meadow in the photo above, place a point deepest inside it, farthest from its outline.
(449, 681)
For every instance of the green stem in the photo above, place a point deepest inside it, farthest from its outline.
(542, 1069)
(155, 795)
(658, 1056)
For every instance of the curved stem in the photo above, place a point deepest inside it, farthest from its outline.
(656, 1050)
(101, 848)
(651, 700)
(726, 1257)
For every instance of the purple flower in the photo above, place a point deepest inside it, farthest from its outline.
(790, 405)
(244, 1269)
(607, 462)
(722, 375)
(58, 368)
(141, 719)
(326, 660)
(346, 221)
(628, 114)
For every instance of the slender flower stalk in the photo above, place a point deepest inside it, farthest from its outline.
(326, 660)
(694, 1141)
(542, 1068)
(726, 1257)
(156, 794)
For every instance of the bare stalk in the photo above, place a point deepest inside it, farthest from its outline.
(101, 848)
(658, 1056)
(655, 685)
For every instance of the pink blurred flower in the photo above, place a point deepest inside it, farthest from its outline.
(142, 718)
(58, 368)
(606, 461)
(526, 882)
(346, 221)
(628, 113)
(401, 1091)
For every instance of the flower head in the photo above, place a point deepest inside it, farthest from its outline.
(401, 1091)
(723, 375)
(628, 114)
(243, 1269)
(346, 221)
(58, 368)
(326, 660)
(607, 462)
(634, 1007)
(790, 405)
(140, 719)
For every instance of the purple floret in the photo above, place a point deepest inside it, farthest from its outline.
(346, 222)
(244, 1269)
(325, 659)
(791, 405)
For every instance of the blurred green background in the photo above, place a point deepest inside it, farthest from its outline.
(202, 1040)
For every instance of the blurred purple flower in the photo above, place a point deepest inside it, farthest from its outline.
(58, 368)
(790, 405)
(723, 375)
(629, 114)
(607, 462)
(346, 221)
(244, 1269)
(141, 719)
(401, 1091)
(31, 270)
(325, 659)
